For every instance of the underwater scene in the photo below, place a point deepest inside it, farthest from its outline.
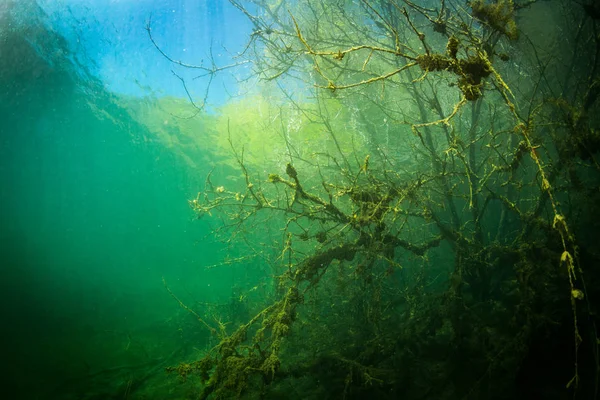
(300, 199)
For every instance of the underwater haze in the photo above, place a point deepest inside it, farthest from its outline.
(280, 199)
(94, 208)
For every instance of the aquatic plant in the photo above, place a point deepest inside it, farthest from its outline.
(445, 253)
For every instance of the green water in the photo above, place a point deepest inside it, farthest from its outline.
(93, 217)
(305, 226)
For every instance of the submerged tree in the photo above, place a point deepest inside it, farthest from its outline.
(437, 231)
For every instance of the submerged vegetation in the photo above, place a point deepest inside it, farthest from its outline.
(420, 179)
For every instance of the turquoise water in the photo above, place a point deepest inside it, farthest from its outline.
(419, 260)
(94, 215)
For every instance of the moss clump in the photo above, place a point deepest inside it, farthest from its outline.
(433, 62)
(499, 15)
(291, 171)
(452, 47)
(474, 68)
(471, 70)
